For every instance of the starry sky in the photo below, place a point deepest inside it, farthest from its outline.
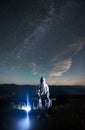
(42, 38)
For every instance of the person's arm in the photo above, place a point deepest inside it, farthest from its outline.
(42, 90)
(47, 91)
(38, 91)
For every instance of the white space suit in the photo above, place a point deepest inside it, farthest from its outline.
(43, 93)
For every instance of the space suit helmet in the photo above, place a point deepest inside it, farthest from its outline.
(42, 80)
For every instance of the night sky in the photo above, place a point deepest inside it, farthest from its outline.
(42, 38)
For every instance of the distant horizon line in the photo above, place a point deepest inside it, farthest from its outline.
(38, 84)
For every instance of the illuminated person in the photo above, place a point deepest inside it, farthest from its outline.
(43, 94)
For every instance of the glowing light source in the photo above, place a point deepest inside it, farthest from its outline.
(26, 108)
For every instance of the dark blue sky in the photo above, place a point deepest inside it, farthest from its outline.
(42, 38)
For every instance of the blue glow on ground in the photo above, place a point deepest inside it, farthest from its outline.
(24, 124)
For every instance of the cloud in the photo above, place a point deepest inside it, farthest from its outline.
(55, 74)
(76, 47)
(69, 51)
(34, 68)
(62, 62)
(33, 65)
(35, 73)
(60, 68)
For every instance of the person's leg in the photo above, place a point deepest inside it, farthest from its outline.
(40, 103)
(39, 108)
(48, 103)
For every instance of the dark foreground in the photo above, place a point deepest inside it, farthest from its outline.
(67, 116)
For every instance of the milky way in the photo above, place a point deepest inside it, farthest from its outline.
(42, 38)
